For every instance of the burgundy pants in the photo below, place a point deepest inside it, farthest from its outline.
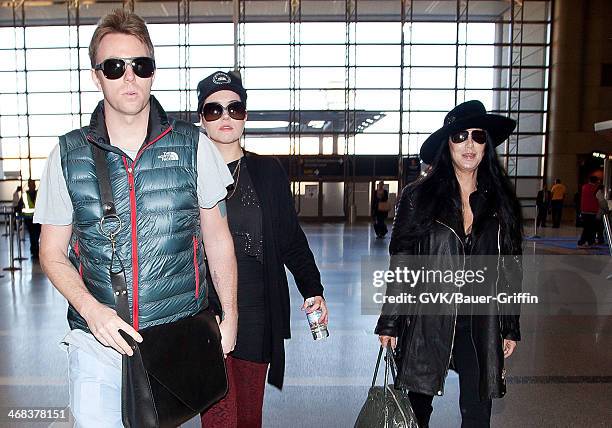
(242, 406)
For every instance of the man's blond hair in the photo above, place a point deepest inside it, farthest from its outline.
(120, 21)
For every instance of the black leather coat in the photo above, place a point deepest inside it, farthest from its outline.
(424, 347)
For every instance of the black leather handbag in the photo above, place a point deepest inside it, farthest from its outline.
(386, 407)
(178, 370)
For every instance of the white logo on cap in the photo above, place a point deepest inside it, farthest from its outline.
(221, 78)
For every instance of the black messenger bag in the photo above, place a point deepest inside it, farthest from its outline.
(178, 370)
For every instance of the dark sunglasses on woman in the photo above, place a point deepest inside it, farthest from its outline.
(478, 136)
(213, 111)
(114, 68)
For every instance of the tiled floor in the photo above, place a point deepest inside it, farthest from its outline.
(560, 376)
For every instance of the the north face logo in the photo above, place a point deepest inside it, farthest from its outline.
(168, 156)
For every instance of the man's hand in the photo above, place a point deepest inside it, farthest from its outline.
(509, 346)
(229, 329)
(312, 304)
(105, 324)
(385, 341)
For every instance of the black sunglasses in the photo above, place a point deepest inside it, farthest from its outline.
(114, 68)
(214, 111)
(478, 136)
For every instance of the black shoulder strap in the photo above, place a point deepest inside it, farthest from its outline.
(109, 214)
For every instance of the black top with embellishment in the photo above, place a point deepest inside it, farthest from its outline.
(245, 223)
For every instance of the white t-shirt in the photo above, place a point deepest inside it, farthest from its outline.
(53, 204)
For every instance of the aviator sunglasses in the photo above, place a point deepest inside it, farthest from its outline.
(114, 68)
(478, 136)
(213, 111)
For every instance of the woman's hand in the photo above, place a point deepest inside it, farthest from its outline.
(312, 304)
(509, 346)
(385, 341)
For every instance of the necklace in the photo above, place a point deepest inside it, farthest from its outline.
(236, 177)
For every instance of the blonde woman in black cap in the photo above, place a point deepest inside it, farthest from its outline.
(267, 237)
(463, 210)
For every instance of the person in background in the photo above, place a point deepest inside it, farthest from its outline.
(603, 210)
(380, 209)
(542, 206)
(267, 237)
(29, 206)
(558, 192)
(589, 207)
(17, 202)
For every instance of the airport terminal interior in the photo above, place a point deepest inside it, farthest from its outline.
(343, 93)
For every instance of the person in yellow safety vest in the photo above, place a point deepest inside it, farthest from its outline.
(29, 204)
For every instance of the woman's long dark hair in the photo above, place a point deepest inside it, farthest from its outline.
(439, 190)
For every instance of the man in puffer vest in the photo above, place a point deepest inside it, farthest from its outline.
(168, 184)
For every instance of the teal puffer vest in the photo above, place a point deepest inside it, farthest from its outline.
(156, 199)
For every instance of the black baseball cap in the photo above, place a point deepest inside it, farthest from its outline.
(220, 81)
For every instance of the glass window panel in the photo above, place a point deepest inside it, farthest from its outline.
(430, 32)
(313, 99)
(84, 62)
(45, 126)
(478, 33)
(372, 144)
(24, 166)
(378, 32)
(169, 78)
(277, 55)
(12, 104)
(169, 56)
(378, 78)
(267, 145)
(429, 100)
(14, 147)
(476, 56)
(11, 165)
(533, 55)
(318, 55)
(531, 78)
(11, 60)
(40, 147)
(11, 38)
(430, 55)
(531, 144)
(175, 101)
(49, 81)
(387, 123)
(211, 33)
(477, 78)
(531, 122)
(13, 126)
(48, 59)
(266, 32)
(11, 81)
(217, 57)
(423, 122)
(536, 10)
(533, 33)
(49, 103)
(323, 32)
(308, 145)
(37, 168)
(268, 77)
(87, 84)
(528, 166)
(166, 34)
(484, 96)
(47, 37)
(378, 55)
(377, 99)
(89, 101)
(269, 100)
(319, 77)
(429, 78)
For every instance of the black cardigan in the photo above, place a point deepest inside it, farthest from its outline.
(284, 244)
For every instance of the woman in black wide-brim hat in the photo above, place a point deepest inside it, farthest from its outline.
(463, 215)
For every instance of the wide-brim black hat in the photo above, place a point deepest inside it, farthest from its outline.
(470, 114)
